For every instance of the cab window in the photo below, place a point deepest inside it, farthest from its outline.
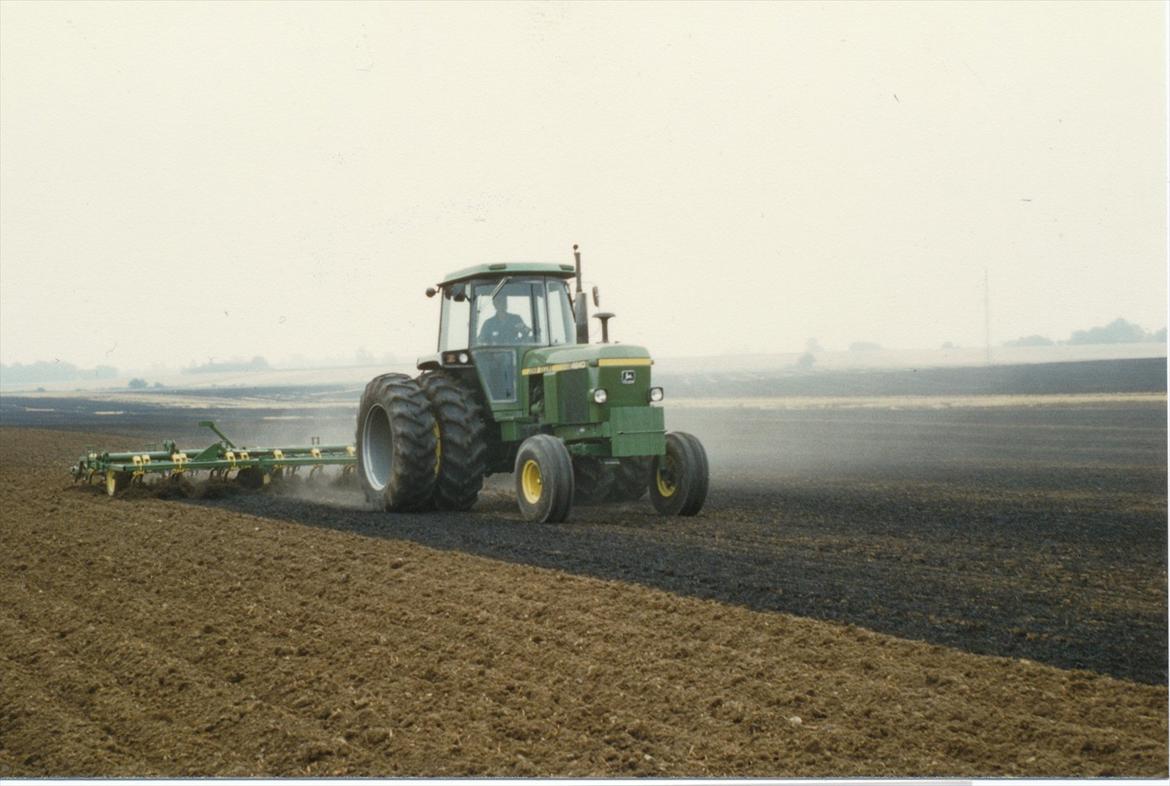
(454, 320)
(562, 326)
(509, 312)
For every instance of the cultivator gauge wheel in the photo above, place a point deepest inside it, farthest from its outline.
(251, 478)
(117, 482)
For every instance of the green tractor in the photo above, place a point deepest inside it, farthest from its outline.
(516, 387)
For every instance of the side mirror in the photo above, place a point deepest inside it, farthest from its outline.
(597, 297)
(431, 291)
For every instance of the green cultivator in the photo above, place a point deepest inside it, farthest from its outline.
(250, 467)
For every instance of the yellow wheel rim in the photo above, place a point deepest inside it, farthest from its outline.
(666, 488)
(531, 482)
(111, 482)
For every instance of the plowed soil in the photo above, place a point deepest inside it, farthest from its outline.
(264, 634)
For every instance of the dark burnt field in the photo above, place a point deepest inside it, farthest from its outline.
(1037, 533)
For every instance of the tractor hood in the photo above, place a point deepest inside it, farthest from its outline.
(541, 360)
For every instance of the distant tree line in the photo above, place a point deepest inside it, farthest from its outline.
(1119, 331)
(55, 371)
(213, 366)
(138, 383)
(1034, 340)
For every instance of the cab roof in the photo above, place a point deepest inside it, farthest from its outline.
(501, 269)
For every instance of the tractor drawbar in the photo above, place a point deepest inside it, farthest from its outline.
(253, 467)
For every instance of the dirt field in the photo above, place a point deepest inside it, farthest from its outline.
(281, 635)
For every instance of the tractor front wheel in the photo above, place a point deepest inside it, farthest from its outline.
(396, 444)
(544, 479)
(678, 479)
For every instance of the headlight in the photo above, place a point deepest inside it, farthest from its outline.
(463, 358)
(600, 396)
(656, 394)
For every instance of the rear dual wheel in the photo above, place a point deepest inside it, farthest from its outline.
(593, 481)
(462, 446)
(620, 480)
(678, 479)
(630, 479)
(396, 444)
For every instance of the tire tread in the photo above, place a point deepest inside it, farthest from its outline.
(412, 479)
(463, 447)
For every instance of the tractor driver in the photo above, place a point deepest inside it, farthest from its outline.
(503, 327)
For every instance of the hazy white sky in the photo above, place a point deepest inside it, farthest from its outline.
(181, 182)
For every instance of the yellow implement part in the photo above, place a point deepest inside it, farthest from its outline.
(140, 463)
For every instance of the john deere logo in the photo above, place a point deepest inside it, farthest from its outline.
(628, 376)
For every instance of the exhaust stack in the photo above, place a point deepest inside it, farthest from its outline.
(580, 304)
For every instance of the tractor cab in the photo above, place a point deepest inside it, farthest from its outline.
(492, 315)
(508, 311)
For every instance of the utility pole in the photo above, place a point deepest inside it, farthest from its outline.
(987, 315)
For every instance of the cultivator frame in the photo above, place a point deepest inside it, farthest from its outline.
(253, 467)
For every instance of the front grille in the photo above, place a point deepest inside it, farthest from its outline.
(573, 393)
